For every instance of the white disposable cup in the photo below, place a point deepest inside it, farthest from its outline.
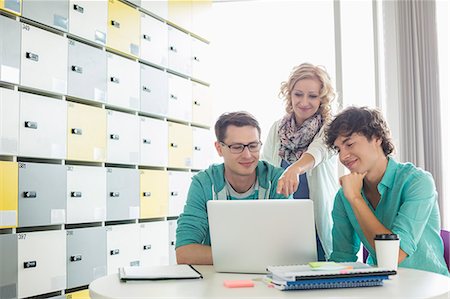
(387, 247)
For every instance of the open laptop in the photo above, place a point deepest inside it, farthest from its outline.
(249, 235)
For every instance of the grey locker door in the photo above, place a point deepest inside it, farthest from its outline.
(8, 266)
(122, 197)
(86, 255)
(48, 12)
(154, 90)
(42, 194)
(10, 36)
(86, 72)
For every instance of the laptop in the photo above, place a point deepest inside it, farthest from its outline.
(247, 236)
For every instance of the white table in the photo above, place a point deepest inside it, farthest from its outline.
(407, 283)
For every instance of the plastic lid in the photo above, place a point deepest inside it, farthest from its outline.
(386, 237)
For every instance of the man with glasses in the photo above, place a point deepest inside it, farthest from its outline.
(242, 176)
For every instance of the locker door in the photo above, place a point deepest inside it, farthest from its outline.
(154, 243)
(86, 133)
(86, 255)
(123, 82)
(179, 183)
(48, 12)
(201, 104)
(154, 40)
(41, 266)
(123, 28)
(123, 138)
(154, 193)
(200, 60)
(12, 6)
(42, 136)
(83, 294)
(179, 51)
(86, 72)
(122, 201)
(9, 182)
(180, 146)
(87, 19)
(42, 189)
(154, 139)
(122, 247)
(202, 153)
(172, 241)
(8, 266)
(43, 53)
(180, 98)
(86, 194)
(9, 50)
(9, 122)
(159, 8)
(154, 91)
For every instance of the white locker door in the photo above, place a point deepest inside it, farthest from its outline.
(200, 60)
(154, 90)
(159, 8)
(123, 82)
(179, 51)
(154, 140)
(179, 182)
(44, 60)
(42, 136)
(9, 50)
(154, 243)
(201, 104)
(202, 153)
(154, 40)
(41, 262)
(9, 122)
(172, 241)
(86, 194)
(180, 98)
(87, 19)
(123, 138)
(122, 246)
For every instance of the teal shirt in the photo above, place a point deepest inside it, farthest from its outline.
(408, 207)
(210, 184)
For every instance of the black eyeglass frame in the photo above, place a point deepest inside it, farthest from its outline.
(243, 146)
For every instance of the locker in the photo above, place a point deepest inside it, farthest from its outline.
(200, 60)
(179, 183)
(123, 82)
(154, 193)
(179, 51)
(201, 104)
(9, 50)
(48, 12)
(180, 13)
(122, 194)
(159, 8)
(172, 241)
(41, 267)
(154, 139)
(42, 189)
(8, 266)
(123, 138)
(203, 145)
(86, 194)
(86, 72)
(9, 182)
(83, 294)
(154, 91)
(12, 6)
(42, 136)
(154, 243)
(9, 122)
(154, 40)
(86, 255)
(122, 246)
(180, 99)
(123, 28)
(86, 133)
(87, 19)
(43, 53)
(180, 146)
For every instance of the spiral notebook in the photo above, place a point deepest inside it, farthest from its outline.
(329, 283)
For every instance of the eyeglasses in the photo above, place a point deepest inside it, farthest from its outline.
(237, 148)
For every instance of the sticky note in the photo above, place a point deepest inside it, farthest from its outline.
(238, 283)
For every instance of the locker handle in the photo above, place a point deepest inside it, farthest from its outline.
(172, 243)
(134, 263)
(197, 148)
(32, 56)
(78, 8)
(173, 49)
(174, 145)
(174, 193)
(147, 141)
(146, 194)
(30, 264)
(114, 194)
(114, 252)
(31, 124)
(197, 103)
(174, 97)
(147, 37)
(77, 131)
(76, 258)
(77, 69)
(146, 89)
(147, 247)
(114, 136)
(115, 24)
(75, 194)
(29, 194)
(196, 58)
(115, 80)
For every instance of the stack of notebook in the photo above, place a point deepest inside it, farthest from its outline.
(326, 275)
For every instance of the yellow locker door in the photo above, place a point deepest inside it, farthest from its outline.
(123, 28)
(12, 6)
(180, 146)
(180, 13)
(86, 133)
(154, 193)
(9, 186)
(83, 294)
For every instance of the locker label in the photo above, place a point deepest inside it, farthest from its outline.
(26, 27)
(22, 165)
(75, 194)
(76, 258)
(21, 236)
(29, 194)
(134, 264)
(114, 252)
(32, 56)
(31, 124)
(30, 264)
(78, 8)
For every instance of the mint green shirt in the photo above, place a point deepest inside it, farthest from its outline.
(408, 207)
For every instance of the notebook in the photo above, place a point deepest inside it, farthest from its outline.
(163, 272)
(249, 235)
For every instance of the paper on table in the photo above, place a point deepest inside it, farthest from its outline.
(159, 272)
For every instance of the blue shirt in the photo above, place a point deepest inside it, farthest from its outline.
(408, 207)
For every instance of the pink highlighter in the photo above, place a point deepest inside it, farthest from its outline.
(238, 283)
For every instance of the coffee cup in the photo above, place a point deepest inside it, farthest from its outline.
(386, 248)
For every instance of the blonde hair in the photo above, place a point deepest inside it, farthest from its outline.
(309, 71)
